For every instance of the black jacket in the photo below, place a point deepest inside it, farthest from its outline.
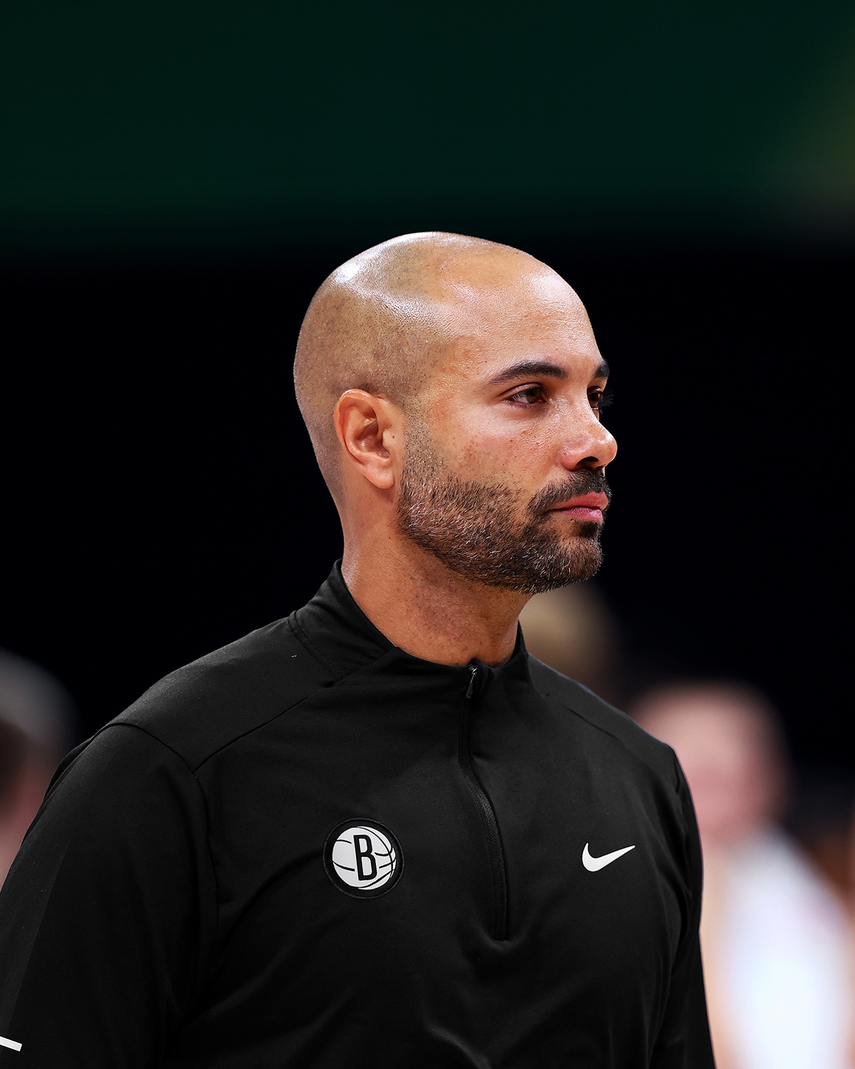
(310, 849)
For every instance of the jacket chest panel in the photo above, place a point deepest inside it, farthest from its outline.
(331, 930)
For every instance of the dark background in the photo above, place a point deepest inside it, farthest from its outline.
(178, 180)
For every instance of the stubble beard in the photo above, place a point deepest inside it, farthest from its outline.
(474, 528)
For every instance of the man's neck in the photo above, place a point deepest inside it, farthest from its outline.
(430, 612)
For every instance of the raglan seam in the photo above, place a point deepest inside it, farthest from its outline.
(206, 951)
(339, 672)
(673, 784)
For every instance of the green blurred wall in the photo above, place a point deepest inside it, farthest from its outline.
(189, 123)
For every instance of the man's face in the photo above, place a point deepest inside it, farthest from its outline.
(503, 476)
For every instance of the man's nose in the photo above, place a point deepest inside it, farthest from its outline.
(588, 444)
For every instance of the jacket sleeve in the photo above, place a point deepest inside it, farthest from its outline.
(684, 1036)
(107, 911)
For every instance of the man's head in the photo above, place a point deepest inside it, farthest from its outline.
(452, 386)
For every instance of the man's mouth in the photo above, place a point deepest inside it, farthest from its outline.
(588, 508)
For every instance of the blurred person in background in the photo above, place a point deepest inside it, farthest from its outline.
(774, 933)
(573, 630)
(36, 731)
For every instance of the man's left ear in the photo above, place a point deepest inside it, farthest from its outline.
(369, 429)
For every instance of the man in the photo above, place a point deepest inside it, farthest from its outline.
(376, 832)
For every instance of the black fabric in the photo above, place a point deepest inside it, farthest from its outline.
(172, 905)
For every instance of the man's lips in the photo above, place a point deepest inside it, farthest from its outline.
(588, 507)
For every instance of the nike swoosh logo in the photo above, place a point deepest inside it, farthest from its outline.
(594, 864)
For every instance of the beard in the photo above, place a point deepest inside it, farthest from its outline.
(479, 530)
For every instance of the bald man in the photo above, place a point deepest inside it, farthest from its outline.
(377, 832)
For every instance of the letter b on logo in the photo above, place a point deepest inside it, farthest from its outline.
(366, 866)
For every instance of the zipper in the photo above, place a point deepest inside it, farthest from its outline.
(498, 873)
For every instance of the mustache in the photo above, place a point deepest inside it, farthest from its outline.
(577, 483)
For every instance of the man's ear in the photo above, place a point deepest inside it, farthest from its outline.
(369, 428)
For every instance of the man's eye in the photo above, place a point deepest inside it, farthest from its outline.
(600, 399)
(531, 395)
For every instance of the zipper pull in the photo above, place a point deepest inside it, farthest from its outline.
(473, 675)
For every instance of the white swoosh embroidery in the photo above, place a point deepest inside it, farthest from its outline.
(594, 864)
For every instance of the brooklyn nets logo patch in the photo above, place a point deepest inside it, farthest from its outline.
(362, 859)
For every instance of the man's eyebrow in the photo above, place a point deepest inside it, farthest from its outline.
(535, 368)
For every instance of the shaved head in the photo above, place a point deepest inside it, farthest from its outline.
(383, 321)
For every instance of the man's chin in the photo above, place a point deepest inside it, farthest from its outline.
(576, 572)
(536, 573)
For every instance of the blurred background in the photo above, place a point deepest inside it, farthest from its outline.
(178, 179)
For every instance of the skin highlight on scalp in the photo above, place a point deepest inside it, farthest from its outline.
(381, 323)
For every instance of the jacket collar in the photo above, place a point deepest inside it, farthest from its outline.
(340, 634)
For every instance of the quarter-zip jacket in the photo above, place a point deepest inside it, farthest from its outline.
(311, 849)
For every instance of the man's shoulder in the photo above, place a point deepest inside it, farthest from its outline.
(602, 718)
(203, 706)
